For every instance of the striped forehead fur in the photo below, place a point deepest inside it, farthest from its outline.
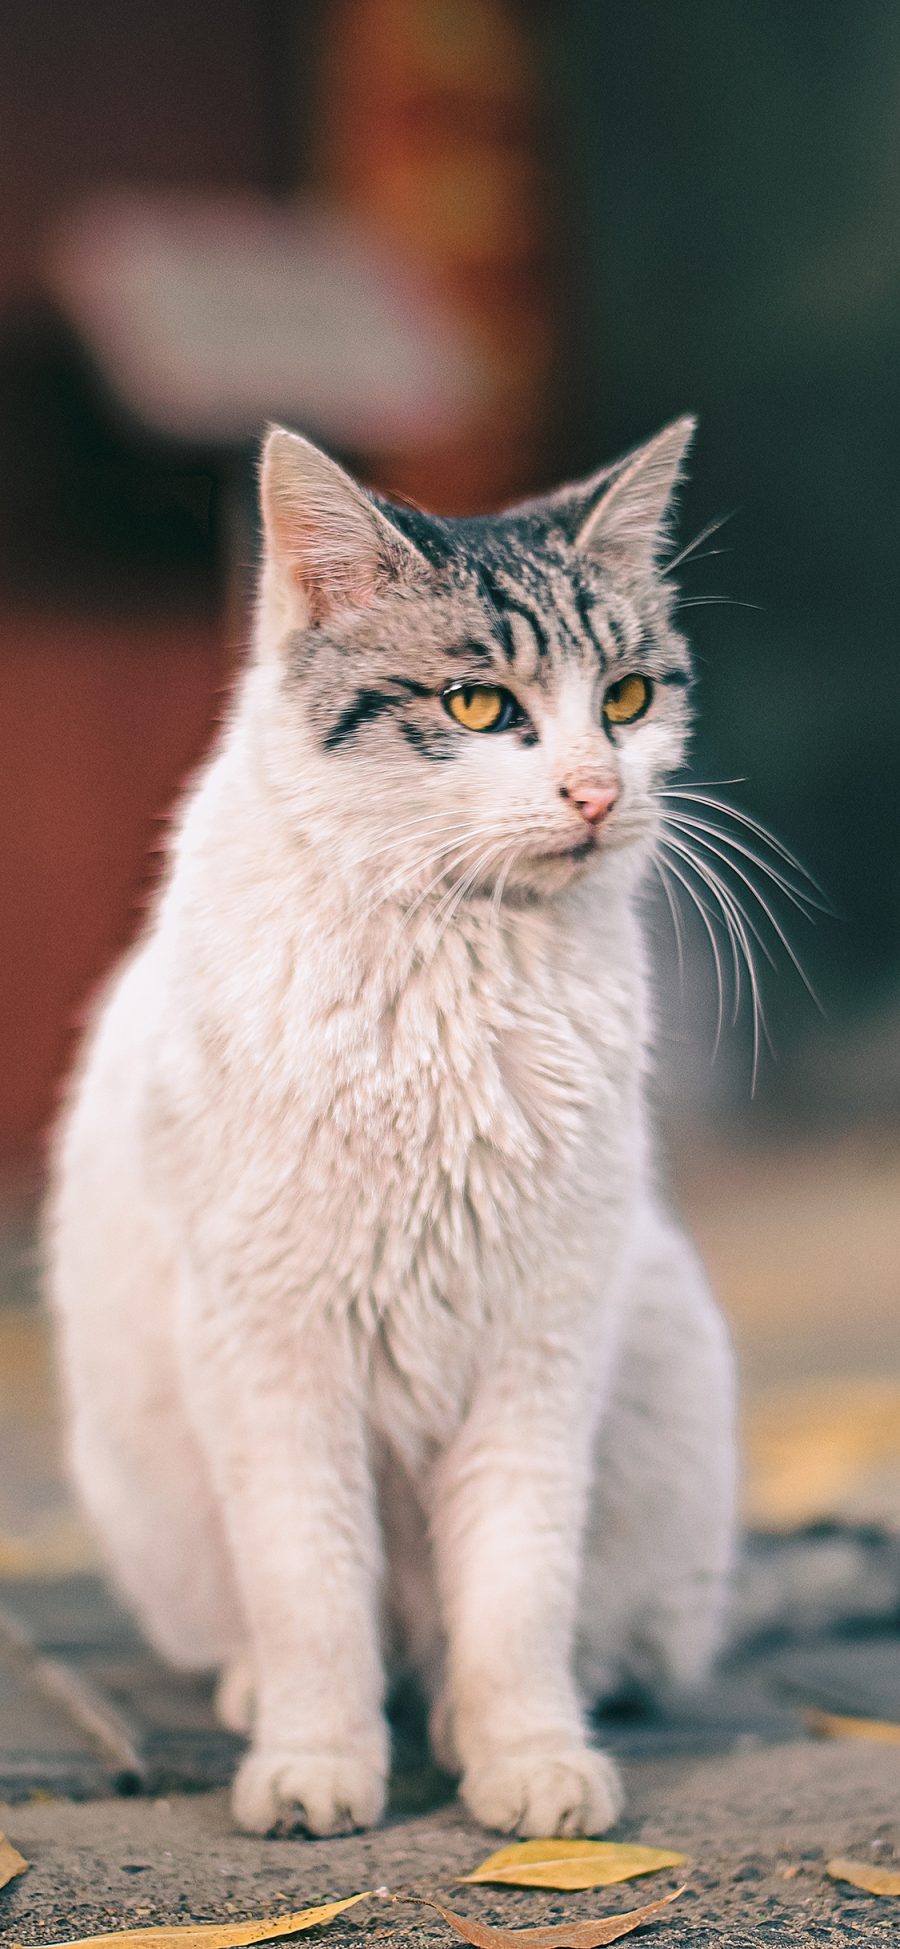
(396, 605)
(501, 601)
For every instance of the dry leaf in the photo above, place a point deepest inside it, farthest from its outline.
(12, 1863)
(572, 1864)
(561, 1935)
(864, 1874)
(840, 1725)
(823, 1449)
(212, 1935)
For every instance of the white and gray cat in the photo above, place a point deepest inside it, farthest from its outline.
(376, 1335)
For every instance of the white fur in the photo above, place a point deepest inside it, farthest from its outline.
(363, 1285)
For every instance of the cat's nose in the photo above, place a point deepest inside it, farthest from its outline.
(594, 805)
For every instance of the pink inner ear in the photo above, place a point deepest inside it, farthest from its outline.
(332, 563)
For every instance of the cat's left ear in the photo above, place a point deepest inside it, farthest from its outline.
(327, 546)
(624, 525)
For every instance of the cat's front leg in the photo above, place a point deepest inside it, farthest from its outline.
(508, 1514)
(285, 1436)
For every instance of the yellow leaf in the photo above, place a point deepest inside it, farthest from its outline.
(572, 1864)
(826, 1448)
(12, 1863)
(864, 1874)
(212, 1935)
(560, 1935)
(839, 1725)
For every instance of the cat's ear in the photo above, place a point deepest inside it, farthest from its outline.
(624, 524)
(327, 546)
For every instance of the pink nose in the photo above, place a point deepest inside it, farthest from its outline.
(594, 806)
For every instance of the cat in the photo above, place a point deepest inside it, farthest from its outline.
(377, 1338)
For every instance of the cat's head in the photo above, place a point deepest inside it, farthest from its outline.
(493, 698)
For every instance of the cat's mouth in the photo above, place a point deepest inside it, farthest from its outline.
(558, 863)
(575, 849)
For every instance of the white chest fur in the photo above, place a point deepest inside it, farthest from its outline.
(432, 1140)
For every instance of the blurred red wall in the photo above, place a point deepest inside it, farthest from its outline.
(99, 720)
(101, 715)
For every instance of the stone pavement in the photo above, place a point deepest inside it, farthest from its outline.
(104, 1755)
(757, 1825)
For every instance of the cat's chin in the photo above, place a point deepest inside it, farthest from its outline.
(538, 875)
(550, 872)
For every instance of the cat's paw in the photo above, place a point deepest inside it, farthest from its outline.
(285, 1792)
(544, 1791)
(235, 1697)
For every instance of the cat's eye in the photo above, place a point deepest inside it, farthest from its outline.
(627, 700)
(482, 707)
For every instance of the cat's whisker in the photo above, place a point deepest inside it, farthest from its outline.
(443, 905)
(702, 795)
(706, 555)
(772, 918)
(740, 948)
(456, 846)
(743, 926)
(687, 823)
(704, 865)
(450, 863)
(703, 602)
(499, 888)
(740, 927)
(723, 910)
(470, 875)
(404, 874)
(455, 836)
(465, 886)
(676, 917)
(706, 534)
(426, 823)
(700, 905)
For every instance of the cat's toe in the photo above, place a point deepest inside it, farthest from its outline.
(564, 1790)
(310, 1793)
(235, 1697)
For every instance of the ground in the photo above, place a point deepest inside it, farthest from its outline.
(758, 1826)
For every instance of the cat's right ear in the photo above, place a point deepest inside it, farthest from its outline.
(327, 547)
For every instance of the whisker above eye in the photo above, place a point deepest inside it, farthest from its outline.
(704, 602)
(706, 534)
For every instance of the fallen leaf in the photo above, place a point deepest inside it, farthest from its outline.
(840, 1725)
(212, 1935)
(821, 1449)
(572, 1864)
(12, 1863)
(864, 1874)
(561, 1935)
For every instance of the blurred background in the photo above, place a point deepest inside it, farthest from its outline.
(475, 246)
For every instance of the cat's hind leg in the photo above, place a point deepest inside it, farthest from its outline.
(142, 1480)
(133, 1455)
(660, 1537)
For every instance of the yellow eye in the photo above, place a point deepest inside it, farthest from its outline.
(481, 707)
(627, 700)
